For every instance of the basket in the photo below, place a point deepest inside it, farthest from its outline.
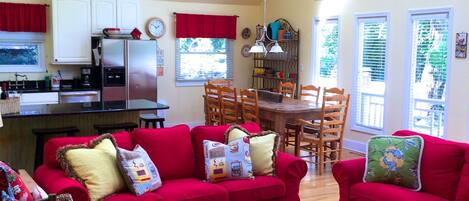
(11, 105)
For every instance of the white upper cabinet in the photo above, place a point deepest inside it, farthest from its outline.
(127, 14)
(103, 15)
(71, 31)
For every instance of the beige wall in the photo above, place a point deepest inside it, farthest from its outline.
(301, 13)
(185, 102)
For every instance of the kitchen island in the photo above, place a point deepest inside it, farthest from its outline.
(17, 142)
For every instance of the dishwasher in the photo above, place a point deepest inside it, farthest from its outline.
(80, 96)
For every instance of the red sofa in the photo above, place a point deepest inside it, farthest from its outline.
(444, 173)
(178, 154)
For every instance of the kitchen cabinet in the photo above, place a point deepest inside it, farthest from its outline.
(39, 98)
(121, 14)
(103, 13)
(71, 21)
(127, 14)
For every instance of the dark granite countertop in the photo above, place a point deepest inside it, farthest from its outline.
(85, 108)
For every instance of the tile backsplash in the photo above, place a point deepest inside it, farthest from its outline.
(68, 72)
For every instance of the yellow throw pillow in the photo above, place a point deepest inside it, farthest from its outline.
(263, 148)
(95, 167)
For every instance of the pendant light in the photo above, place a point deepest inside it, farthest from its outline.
(259, 46)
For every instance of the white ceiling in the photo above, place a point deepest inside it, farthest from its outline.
(237, 2)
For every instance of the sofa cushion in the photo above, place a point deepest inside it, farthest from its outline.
(462, 193)
(169, 148)
(128, 196)
(190, 189)
(139, 172)
(394, 160)
(386, 192)
(122, 139)
(94, 166)
(441, 166)
(226, 162)
(212, 133)
(260, 188)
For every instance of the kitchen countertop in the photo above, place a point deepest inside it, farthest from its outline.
(85, 108)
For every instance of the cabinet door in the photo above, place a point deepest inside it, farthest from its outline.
(127, 14)
(71, 31)
(103, 15)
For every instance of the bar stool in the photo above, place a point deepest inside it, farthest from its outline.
(41, 137)
(106, 128)
(151, 118)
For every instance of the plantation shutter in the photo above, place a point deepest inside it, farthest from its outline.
(327, 49)
(371, 69)
(428, 76)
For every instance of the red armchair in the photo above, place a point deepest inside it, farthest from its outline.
(178, 154)
(444, 174)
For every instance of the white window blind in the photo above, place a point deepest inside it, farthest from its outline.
(202, 59)
(369, 86)
(430, 40)
(327, 50)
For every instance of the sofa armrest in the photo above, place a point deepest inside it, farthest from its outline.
(55, 181)
(347, 173)
(291, 171)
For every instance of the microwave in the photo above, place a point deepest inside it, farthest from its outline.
(113, 76)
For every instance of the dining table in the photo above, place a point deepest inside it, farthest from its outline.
(287, 111)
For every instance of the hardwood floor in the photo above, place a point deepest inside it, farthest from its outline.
(324, 187)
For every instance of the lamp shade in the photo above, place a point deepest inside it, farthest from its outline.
(276, 48)
(257, 49)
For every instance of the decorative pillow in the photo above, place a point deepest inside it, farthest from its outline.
(95, 167)
(263, 148)
(394, 160)
(140, 173)
(11, 185)
(224, 162)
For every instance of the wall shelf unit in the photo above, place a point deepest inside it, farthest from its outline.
(273, 68)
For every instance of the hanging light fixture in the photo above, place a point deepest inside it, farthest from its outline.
(259, 46)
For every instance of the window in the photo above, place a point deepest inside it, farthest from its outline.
(429, 66)
(21, 52)
(202, 59)
(369, 87)
(327, 51)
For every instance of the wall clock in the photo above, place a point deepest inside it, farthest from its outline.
(155, 28)
(245, 51)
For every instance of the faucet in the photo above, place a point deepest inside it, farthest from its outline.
(16, 85)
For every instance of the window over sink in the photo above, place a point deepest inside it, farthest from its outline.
(22, 52)
(202, 59)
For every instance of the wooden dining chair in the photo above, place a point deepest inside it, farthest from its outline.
(249, 106)
(229, 105)
(329, 130)
(212, 105)
(287, 89)
(307, 93)
(220, 82)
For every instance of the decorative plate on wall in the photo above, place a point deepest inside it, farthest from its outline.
(246, 33)
(245, 51)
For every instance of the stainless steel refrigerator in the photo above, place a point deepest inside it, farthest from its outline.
(128, 69)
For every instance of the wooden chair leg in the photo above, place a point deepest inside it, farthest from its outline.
(321, 159)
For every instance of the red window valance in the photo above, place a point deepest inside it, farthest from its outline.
(16, 17)
(205, 26)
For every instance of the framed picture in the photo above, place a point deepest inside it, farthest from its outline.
(461, 45)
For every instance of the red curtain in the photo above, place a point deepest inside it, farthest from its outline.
(16, 17)
(205, 26)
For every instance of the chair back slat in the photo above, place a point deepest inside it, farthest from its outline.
(287, 89)
(220, 82)
(249, 106)
(229, 105)
(309, 92)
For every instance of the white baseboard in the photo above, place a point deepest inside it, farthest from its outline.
(355, 145)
